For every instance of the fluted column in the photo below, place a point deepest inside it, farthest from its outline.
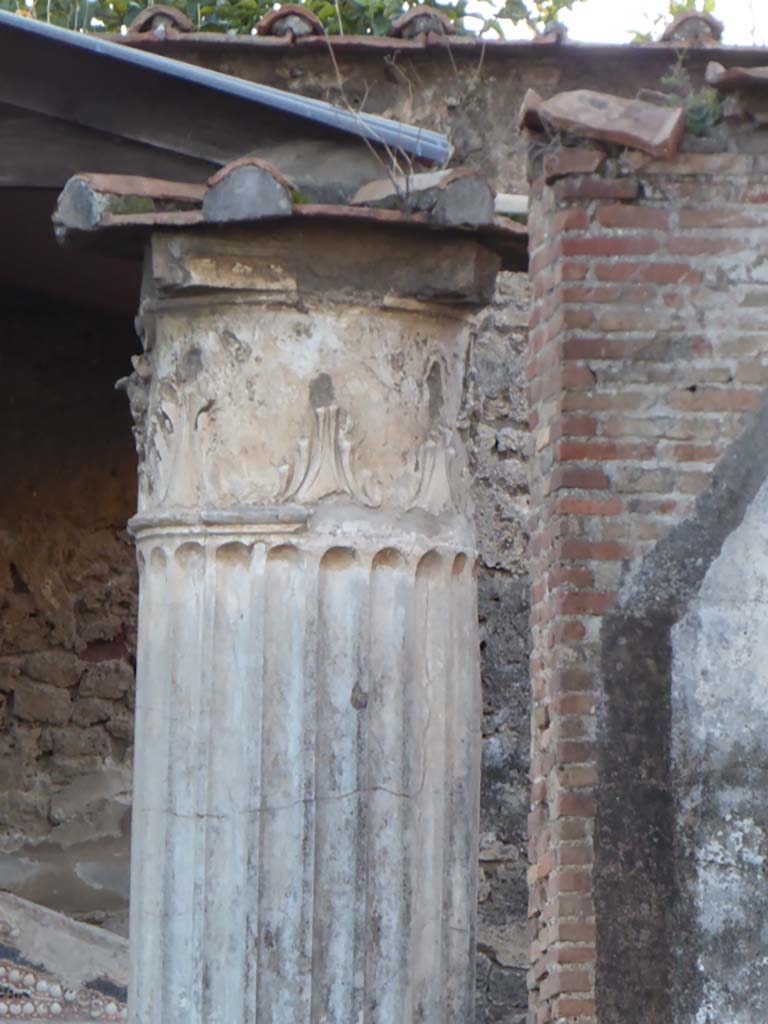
(308, 717)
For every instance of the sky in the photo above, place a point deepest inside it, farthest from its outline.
(615, 21)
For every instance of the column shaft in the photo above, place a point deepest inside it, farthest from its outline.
(307, 731)
(306, 783)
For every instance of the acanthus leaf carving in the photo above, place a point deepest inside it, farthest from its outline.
(324, 465)
(434, 490)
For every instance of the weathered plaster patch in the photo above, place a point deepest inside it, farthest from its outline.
(648, 971)
(720, 773)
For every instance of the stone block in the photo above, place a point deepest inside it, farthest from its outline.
(90, 710)
(36, 702)
(108, 679)
(57, 668)
(120, 724)
(77, 742)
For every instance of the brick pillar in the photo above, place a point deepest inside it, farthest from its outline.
(648, 330)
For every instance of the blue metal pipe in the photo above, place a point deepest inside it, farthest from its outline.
(419, 142)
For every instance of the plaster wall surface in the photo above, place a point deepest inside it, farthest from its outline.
(719, 714)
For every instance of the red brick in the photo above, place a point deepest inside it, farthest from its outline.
(575, 954)
(625, 318)
(592, 187)
(604, 401)
(570, 505)
(569, 631)
(565, 161)
(573, 905)
(752, 373)
(571, 680)
(567, 830)
(572, 880)
(670, 273)
(580, 478)
(695, 453)
(584, 603)
(575, 318)
(575, 451)
(570, 271)
(622, 271)
(536, 899)
(575, 931)
(543, 1014)
(593, 551)
(597, 348)
(543, 258)
(574, 752)
(576, 855)
(565, 981)
(574, 805)
(714, 399)
(703, 245)
(576, 777)
(619, 215)
(630, 426)
(567, 1006)
(608, 293)
(610, 245)
(575, 219)
(724, 217)
(693, 483)
(570, 575)
(663, 272)
(576, 376)
(573, 704)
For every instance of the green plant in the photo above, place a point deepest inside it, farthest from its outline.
(702, 106)
(538, 15)
(239, 17)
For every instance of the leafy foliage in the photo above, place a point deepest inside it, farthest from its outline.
(353, 17)
(538, 15)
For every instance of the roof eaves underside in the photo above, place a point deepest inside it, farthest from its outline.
(93, 81)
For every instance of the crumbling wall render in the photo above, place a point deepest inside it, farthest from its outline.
(647, 367)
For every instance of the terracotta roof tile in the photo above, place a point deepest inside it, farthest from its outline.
(729, 79)
(249, 161)
(695, 28)
(143, 22)
(607, 118)
(421, 18)
(270, 24)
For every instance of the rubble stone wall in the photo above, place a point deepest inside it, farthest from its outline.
(647, 373)
(67, 609)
